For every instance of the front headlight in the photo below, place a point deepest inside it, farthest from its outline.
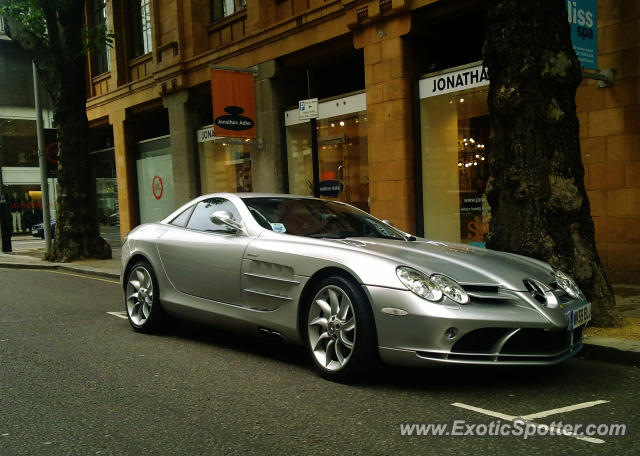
(431, 288)
(450, 288)
(567, 284)
(419, 283)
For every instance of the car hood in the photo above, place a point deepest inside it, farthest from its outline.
(465, 264)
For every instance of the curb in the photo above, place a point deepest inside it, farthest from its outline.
(610, 355)
(66, 267)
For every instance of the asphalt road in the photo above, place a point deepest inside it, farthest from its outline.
(76, 380)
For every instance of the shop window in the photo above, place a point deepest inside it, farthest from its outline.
(18, 143)
(225, 167)
(455, 133)
(99, 57)
(154, 169)
(343, 166)
(224, 8)
(104, 166)
(140, 17)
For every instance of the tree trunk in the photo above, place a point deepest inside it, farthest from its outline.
(77, 233)
(539, 205)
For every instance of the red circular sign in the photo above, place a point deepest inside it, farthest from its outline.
(157, 187)
(51, 152)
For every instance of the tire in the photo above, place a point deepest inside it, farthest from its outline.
(142, 299)
(340, 331)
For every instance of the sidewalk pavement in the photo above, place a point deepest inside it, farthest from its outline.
(33, 259)
(620, 345)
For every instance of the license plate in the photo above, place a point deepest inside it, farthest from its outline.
(579, 316)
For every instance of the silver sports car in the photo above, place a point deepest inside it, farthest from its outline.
(349, 287)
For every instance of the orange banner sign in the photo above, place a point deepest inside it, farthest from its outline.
(234, 107)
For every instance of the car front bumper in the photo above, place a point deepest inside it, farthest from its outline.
(413, 331)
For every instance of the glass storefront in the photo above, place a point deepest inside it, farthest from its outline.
(155, 179)
(343, 165)
(104, 166)
(21, 174)
(455, 132)
(225, 166)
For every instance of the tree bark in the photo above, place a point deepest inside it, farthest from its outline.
(539, 204)
(60, 60)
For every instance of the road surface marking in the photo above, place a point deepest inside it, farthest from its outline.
(529, 418)
(502, 416)
(119, 314)
(568, 408)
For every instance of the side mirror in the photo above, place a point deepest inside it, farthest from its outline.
(388, 222)
(225, 218)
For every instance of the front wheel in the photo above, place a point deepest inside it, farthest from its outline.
(340, 330)
(142, 301)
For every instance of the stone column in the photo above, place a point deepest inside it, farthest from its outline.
(125, 162)
(182, 129)
(388, 80)
(267, 159)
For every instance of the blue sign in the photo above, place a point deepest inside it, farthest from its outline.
(330, 188)
(584, 31)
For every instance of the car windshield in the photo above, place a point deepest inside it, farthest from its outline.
(317, 218)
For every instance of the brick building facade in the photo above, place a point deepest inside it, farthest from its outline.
(409, 156)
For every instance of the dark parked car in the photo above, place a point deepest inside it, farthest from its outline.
(37, 230)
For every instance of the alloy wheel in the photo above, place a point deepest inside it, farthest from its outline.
(332, 327)
(139, 295)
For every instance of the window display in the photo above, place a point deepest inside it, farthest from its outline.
(455, 133)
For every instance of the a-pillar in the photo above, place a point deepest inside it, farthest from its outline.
(182, 128)
(124, 154)
(388, 81)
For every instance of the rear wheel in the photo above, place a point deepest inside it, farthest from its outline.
(340, 330)
(142, 298)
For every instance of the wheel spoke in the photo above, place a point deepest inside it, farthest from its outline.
(349, 325)
(133, 296)
(146, 309)
(344, 307)
(135, 309)
(326, 308)
(323, 336)
(319, 321)
(147, 279)
(329, 350)
(346, 342)
(140, 276)
(333, 299)
(135, 284)
(338, 351)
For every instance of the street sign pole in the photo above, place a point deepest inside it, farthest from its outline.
(42, 159)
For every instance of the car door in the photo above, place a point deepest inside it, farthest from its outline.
(201, 258)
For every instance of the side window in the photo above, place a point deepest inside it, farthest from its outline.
(200, 218)
(183, 218)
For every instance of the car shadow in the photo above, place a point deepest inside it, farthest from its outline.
(442, 378)
(257, 345)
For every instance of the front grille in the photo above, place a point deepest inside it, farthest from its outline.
(538, 341)
(480, 340)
